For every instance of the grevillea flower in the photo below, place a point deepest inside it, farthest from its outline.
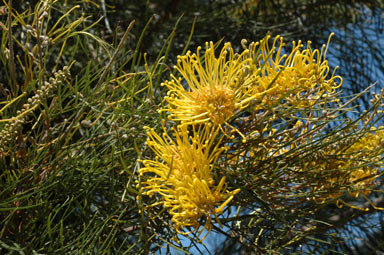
(182, 175)
(210, 91)
(299, 77)
(355, 167)
(365, 150)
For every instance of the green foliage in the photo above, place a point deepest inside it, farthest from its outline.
(68, 154)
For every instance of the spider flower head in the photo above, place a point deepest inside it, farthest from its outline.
(211, 89)
(368, 149)
(182, 175)
(289, 76)
(355, 169)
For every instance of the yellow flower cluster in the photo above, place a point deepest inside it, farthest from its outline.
(363, 178)
(291, 77)
(355, 167)
(211, 91)
(184, 176)
(207, 94)
(216, 90)
(349, 166)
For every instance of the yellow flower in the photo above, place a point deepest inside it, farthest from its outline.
(211, 91)
(355, 167)
(183, 176)
(363, 180)
(289, 76)
(364, 150)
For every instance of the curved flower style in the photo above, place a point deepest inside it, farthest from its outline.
(289, 77)
(184, 178)
(210, 91)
